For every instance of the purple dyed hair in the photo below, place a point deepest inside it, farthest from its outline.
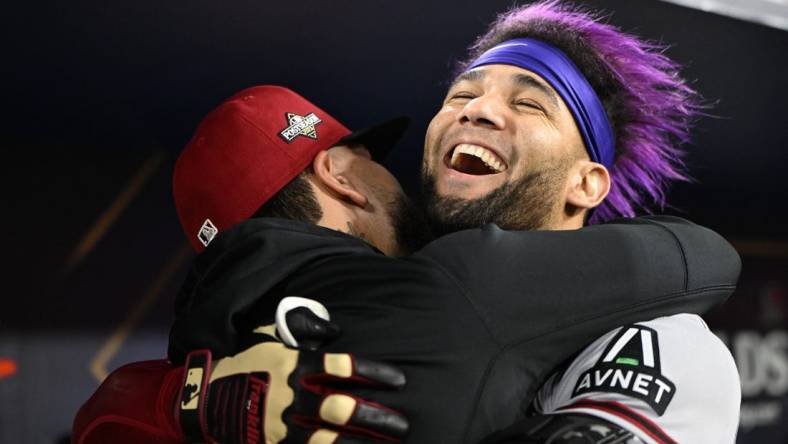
(649, 105)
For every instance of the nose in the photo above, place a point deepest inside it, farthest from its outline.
(483, 111)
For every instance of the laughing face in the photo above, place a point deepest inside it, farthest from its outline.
(499, 151)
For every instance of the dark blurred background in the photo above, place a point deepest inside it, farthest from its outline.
(99, 97)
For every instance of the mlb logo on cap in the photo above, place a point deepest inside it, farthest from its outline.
(207, 232)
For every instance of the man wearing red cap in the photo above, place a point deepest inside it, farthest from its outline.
(475, 319)
(250, 148)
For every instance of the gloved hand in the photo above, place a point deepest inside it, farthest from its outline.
(274, 394)
(266, 394)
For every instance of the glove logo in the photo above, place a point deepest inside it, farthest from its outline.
(300, 126)
(190, 399)
(630, 365)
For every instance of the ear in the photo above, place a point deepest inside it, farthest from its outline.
(589, 183)
(330, 173)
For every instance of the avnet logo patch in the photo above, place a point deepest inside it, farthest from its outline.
(630, 366)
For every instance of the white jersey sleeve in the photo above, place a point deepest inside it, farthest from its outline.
(668, 380)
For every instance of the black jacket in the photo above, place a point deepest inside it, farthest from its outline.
(477, 319)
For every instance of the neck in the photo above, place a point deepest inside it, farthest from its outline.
(571, 218)
(340, 216)
(338, 221)
(574, 223)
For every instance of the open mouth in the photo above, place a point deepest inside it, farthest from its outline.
(475, 160)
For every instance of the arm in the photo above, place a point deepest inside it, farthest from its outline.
(135, 404)
(687, 390)
(267, 392)
(554, 292)
(562, 429)
(281, 394)
(605, 275)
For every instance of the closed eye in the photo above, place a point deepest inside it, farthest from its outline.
(463, 96)
(531, 105)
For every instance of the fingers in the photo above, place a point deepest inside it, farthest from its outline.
(325, 436)
(385, 421)
(379, 372)
(308, 330)
(304, 323)
(349, 415)
(347, 440)
(319, 403)
(346, 366)
(362, 416)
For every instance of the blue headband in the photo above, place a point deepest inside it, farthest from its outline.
(556, 68)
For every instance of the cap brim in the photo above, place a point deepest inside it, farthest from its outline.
(378, 139)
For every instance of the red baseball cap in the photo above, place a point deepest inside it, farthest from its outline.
(249, 148)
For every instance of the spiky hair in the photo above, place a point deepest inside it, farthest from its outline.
(649, 105)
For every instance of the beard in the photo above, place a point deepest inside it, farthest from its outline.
(525, 204)
(411, 228)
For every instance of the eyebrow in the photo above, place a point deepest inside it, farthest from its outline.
(522, 80)
(473, 75)
(526, 81)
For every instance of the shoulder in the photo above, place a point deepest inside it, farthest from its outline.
(669, 380)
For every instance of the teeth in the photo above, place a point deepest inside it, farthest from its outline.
(454, 156)
(486, 156)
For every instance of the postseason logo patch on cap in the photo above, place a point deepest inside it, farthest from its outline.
(300, 126)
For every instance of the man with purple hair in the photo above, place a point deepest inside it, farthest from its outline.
(644, 108)
(554, 121)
